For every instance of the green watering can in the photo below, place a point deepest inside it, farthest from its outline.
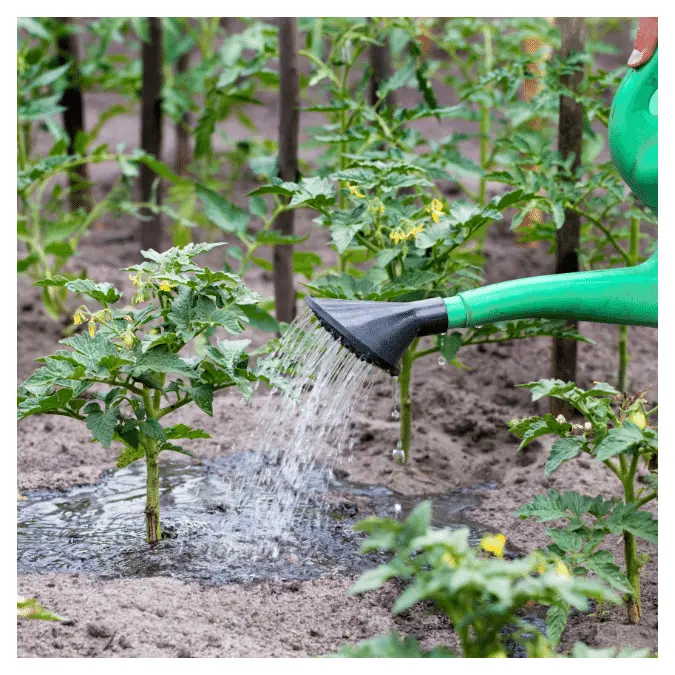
(380, 332)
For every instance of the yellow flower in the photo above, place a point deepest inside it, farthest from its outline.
(449, 559)
(77, 318)
(135, 280)
(415, 231)
(166, 286)
(562, 570)
(397, 236)
(92, 328)
(494, 544)
(354, 191)
(540, 568)
(435, 210)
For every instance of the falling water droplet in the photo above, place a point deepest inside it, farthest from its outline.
(397, 510)
(350, 459)
(441, 361)
(398, 454)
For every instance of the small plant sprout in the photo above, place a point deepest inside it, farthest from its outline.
(615, 433)
(482, 593)
(124, 374)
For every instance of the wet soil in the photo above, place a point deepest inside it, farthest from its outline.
(460, 440)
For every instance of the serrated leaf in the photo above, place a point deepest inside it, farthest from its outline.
(373, 579)
(223, 214)
(160, 360)
(530, 428)
(621, 439)
(449, 345)
(561, 451)
(184, 431)
(568, 541)
(105, 293)
(153, 429)
(102, 425)
(556, 620)
(129, 455)
(638, 522)
(609, 572)
(202, 395)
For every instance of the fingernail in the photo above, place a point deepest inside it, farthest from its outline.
(635, 58)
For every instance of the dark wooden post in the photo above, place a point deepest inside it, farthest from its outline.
(73, 115)
(183, 152)
(151, 127)
(380, 62)
(570, 128)
(289, 121)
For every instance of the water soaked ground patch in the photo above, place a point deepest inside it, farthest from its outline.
(98, 529)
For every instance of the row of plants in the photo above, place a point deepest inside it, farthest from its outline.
(379, 187)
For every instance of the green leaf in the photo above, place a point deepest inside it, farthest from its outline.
(34, 406)
(184, 431)
(558, 212)
(561, 451)
(273, 237)
(153, 429)
(102, 425)
(373, 579)
(160, 360)
(568, 541)
(260, 319)
(304, 263)
(223, 214)
(129, 455)
(48, 77)
(392, 647)
(609, 572)
(104, 293)
(638, 522)
(449, 345)
(419, 520)
(229, 354)
(619, 440)
(556, 620)
(30, 608)
(202, 395)
(530, 428)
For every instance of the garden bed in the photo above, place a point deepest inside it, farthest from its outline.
(461, 440)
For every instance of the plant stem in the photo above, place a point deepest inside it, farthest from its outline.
(485, 127)
(405, 433)
(630, 554)
(624, 356)
(152, 526)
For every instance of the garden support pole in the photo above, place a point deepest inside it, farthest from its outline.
(151, 129)
(183, 152)
(380, 62)
(289, 121)
(73, 115)
(570, 130)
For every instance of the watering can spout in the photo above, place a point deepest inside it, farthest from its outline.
(380, 332)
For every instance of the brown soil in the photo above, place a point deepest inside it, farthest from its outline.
(460, 438)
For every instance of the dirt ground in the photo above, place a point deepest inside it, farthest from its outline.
(460, 439)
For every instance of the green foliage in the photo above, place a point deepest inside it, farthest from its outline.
(134, 352)
(30, 608)
(483, 596)
(615, 432)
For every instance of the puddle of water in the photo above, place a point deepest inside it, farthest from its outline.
(98, 529)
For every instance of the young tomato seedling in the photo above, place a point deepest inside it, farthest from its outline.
(615, 432)
(134, 353)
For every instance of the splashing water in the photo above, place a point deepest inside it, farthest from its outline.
(306, 424)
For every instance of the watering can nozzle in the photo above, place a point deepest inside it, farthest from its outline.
(380, 332)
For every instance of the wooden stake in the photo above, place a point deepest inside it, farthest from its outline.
(570, 130)
(289, 122)
(380, 62)
(183, 150)
(151, 128)
(73, 116)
